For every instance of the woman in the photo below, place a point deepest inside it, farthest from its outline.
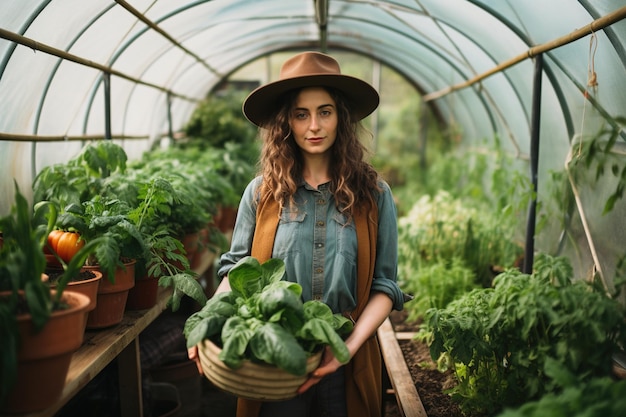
(318, 206)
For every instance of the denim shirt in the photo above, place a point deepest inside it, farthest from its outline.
(319, 245)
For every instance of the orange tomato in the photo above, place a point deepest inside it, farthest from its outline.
(65, 244)
(53, 240)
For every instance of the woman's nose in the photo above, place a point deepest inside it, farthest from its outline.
(314, 125)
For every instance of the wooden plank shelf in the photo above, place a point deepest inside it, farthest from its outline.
(409, 402)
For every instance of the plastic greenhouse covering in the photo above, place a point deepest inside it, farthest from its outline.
(134, 71)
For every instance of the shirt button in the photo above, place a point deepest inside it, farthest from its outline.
(321, 201)
(319, 245)
(319, 270)
(317, 297)
(320, 223)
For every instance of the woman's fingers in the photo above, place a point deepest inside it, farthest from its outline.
(192, 352)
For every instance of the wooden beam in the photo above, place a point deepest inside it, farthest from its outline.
(409, 402)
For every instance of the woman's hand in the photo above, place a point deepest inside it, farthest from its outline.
(376, 311)
(327, 366)
(192, 352)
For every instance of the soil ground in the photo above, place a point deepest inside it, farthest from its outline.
(429, 382)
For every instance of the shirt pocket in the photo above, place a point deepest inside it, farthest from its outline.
(288, 235)
(346, 237)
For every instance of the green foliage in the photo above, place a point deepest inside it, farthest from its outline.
(217, 121)
(81, 177)
(136, 211)
(440, 228)
(263, 319)
(436, 285)
(600, 397)
(107, 220)
(220, 137)
(22, 262)
(505, 340)
(596, 152)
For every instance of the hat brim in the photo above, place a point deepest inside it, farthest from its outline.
(261, 103)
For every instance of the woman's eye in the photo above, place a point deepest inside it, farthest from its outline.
(300, 116)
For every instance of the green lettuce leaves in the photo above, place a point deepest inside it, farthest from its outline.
(263, 319)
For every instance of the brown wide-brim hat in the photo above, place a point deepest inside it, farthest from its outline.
(310, 69)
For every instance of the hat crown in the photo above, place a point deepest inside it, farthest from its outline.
(309, 63)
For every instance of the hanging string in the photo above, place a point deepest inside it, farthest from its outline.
(592, 82)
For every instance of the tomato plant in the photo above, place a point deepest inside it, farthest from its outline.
(65, 244)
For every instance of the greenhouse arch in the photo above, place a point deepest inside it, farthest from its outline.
(518, 104)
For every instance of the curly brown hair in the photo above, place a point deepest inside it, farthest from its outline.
(354, 181)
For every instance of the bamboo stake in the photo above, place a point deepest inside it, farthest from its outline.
(166, 35)
(594, 26)
(60, 138)
(38, 46)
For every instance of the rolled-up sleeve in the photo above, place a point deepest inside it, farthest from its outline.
(386, 266)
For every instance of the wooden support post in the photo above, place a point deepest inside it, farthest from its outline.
(129, 370)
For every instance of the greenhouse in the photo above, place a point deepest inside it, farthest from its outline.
(499, 128)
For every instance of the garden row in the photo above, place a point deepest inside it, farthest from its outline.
(517, 344)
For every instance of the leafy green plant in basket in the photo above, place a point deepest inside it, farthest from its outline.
(22, 262)
(263, 319)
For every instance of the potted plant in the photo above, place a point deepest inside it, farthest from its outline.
(167, 259)
(41, 328)
(139, 213)
(138, 236)
(218, 136)
(120, 245)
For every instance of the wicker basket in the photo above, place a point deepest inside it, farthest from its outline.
(252, 381)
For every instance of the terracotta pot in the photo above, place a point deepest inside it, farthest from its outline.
(144, 294)
(225, 218)
(202, 248)
(190, 245)
(89, 287)
(52, 261)
(111, 300)
(44, 357)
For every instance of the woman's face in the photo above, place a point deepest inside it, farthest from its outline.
(313, 120)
